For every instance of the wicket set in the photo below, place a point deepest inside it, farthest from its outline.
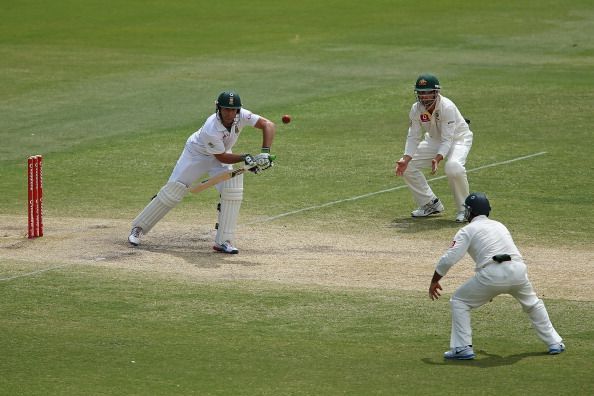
(35, 187)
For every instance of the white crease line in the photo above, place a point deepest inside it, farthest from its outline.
(388, 190)
(33, 273)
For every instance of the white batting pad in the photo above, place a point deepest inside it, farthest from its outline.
(168, 197)
(231, 197)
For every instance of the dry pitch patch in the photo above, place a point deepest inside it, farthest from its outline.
(273, 253)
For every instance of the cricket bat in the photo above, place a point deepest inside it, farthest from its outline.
(216, 179)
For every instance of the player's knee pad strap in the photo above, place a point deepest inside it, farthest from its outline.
(168, 197)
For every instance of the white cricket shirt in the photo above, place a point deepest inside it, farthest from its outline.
(482, 239)
(444, 126)
(214, 138)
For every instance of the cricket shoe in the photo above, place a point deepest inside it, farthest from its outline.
(460, 353)
(225, 247)
(556, 349)
(433, 207)
(461, 217)
(134, 237)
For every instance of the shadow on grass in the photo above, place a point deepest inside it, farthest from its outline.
(199, 256)
(486, 360)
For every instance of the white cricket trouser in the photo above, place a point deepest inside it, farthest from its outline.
(454, 170)
(190, 166)
(474, 294)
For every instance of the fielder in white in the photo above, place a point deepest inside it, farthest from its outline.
(500, 269)
(446, 135)
(208, 151)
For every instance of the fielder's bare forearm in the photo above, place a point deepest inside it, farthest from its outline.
(435, 287)
(436, 277)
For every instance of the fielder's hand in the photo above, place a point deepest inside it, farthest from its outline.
(401, 166)
(435, 163)
(434, 289)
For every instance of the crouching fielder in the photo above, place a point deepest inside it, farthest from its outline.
(500, 269)
(437, 130)
(208, 151)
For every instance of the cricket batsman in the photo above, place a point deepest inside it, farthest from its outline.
(209, 151)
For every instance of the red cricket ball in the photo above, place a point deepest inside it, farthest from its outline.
(286, 119)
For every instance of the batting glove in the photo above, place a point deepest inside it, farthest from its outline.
(264, 160)
(251, 163)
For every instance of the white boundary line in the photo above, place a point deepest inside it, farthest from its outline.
(388, 190)
(33, 273)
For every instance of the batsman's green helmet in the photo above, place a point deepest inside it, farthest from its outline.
(427, 82)
(229, 100)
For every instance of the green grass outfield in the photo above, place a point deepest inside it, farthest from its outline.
(108, 92)
(154, 337)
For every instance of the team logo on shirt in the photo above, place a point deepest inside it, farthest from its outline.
(425, 117)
